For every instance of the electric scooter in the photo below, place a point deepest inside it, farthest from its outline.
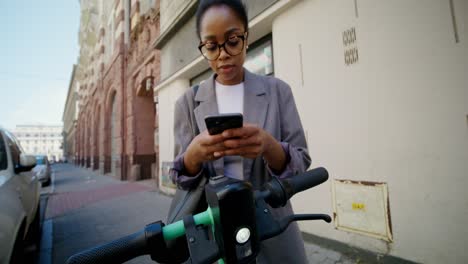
(231, 229)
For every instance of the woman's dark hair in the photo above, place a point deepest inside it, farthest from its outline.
(236, 5)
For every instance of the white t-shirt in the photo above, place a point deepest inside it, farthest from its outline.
(230, 99)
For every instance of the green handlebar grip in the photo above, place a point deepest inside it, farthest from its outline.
(177, 229)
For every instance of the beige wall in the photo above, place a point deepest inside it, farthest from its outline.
(167, 97)
(171, 10)
(397, 116)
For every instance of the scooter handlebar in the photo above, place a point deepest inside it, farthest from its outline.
(306, 180)
(279, 191)
(117, 251)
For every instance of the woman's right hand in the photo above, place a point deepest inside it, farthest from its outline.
(204, 147)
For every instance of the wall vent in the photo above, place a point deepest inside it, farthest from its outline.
(351, 53)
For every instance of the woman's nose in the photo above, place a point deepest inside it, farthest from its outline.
(223, 54)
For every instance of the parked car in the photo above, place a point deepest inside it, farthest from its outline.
(42, 170)
(19, 200)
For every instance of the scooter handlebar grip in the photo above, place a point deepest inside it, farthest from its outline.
(117, 251)
(306, 180)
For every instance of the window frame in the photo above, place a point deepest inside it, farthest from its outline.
(258, 43)
(14, 145)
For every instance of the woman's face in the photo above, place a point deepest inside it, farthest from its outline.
(218, 25)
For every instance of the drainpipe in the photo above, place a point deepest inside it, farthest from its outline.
(124, 86)
(127, 8)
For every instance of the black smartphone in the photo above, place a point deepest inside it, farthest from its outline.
(216, 124)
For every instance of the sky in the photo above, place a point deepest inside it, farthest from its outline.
(38, 47)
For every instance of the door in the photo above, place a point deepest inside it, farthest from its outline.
(26, 182)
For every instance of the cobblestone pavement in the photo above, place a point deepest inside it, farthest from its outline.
(61, 203)
(317, 254)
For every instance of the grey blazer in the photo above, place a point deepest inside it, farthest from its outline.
(269, 103)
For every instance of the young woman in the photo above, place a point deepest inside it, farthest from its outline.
(272, 130)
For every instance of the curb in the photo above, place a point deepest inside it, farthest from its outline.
(45, 253)
(357, 254)
(47, 227)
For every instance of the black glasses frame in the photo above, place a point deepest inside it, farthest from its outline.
(243, 37)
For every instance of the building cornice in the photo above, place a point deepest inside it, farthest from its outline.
(70, 87)
(174, 27)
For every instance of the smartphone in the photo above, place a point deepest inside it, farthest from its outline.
(216, 124)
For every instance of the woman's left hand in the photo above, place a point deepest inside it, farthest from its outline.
(251, 141)
(248, 141)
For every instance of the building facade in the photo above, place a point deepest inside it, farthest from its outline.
(70, 117)
(39, 139)
(116, 124)
(382, 92)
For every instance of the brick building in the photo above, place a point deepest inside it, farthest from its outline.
(69, 118)
(116, 123)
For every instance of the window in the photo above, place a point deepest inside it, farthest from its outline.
(260, 57)
(15, 149)
(3, 155)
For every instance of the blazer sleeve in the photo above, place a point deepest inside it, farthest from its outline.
(184, 132)
(292, 136)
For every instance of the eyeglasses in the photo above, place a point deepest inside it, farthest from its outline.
(233, 46)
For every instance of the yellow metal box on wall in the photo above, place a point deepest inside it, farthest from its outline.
(362, 207)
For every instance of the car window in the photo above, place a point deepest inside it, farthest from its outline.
(3, 154)
(16, 141)
(40, 160)
(15, 150)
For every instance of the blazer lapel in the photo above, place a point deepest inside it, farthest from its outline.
(255, 108)
(206, 97)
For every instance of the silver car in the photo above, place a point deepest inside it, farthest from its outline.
(42, 170)
(19, 200)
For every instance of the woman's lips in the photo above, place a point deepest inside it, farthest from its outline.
(226, 68)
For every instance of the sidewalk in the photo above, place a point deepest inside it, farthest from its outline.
(87, 209)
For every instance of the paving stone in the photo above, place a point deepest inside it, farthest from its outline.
(347, 261)
(317, 257)
(309, 247)
(333, 255)
(328, 261)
